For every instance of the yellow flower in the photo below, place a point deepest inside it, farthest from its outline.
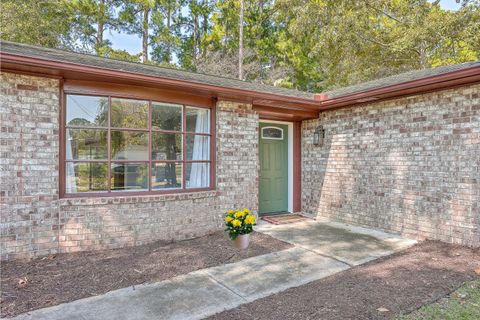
(230, 211)
(250, 219)
(228, 219)
(236, 223)
(239, 214)
(246, 210)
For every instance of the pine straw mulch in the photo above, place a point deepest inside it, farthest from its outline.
(396, 284)
(48, 281)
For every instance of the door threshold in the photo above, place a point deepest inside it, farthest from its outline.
(285, 218)
(277, 213)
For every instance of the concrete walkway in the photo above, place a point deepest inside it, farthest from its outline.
(352, 245)
(321, 249)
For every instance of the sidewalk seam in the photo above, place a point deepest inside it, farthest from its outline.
(225, 286)
(327, 256)
(315, 252)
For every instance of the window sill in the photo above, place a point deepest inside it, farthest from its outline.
(102, 199)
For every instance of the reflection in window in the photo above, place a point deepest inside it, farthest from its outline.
(86, 177)
(128, 113)
(86, 144)
(198, 120)
(87, 111)
(129, 145)
(129, 176)
(167, 175)
(166, 116)
(145, 146)
(272, 133)
(166, 146)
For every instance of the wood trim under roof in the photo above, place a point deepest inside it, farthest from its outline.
(437, 82)
(70, 71)
(269, 105)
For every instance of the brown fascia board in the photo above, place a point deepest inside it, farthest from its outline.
(319, 102)
(250, 95)
(290, 114)
(428, 84)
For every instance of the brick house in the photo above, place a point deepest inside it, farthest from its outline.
(99, 153)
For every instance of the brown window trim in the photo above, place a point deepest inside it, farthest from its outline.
(184, 161)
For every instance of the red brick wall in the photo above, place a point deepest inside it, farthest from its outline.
(410, 165)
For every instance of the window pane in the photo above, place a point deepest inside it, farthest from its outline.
(198, 147)
(198, 175)
(198, 120)
(129, 176)
(86, 144)
(272, 133)
(167, 175)
(129, 145)
(166, 116)
(87, 111)
(128, 113)
(166, 146)
(86, 177)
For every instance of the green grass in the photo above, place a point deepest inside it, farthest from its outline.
(462, 304)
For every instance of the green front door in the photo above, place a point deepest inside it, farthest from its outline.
(273, 153)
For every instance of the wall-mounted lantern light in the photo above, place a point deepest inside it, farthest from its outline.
(318, 136)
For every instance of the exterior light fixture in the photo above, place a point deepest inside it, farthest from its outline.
(318, 136)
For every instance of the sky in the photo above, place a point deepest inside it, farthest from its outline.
(133, 43)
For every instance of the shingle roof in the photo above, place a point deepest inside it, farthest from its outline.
(175, 74)
(399, 78)
(144, 69)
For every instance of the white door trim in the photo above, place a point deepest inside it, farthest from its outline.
(290, 159)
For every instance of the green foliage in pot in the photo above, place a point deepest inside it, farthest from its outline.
(239, 222)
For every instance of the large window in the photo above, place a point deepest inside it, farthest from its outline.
(117, 145)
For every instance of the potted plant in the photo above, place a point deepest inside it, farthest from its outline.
(239, 225)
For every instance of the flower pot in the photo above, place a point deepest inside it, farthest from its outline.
(242, 241)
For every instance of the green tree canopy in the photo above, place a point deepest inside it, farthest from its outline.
(310, 45)
(44, 22)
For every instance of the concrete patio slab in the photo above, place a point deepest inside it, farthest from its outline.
(261, 276)
(350, 244)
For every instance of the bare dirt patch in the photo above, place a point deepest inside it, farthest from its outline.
(48, 281)
(398, 284)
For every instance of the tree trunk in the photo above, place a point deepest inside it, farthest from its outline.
(260, 21)
(146, 12)
(168, 49)
(423, 55)
(240, 41)
(205, 25)
(100, 26)
(195, 38)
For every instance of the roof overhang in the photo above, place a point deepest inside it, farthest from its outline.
(288, 107)
(443, 81)
(267, 105)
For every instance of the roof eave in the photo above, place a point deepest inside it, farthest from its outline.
(427, 84)
(249, 95)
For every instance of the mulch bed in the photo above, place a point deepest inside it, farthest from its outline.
(397, 284)
(67, 277)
